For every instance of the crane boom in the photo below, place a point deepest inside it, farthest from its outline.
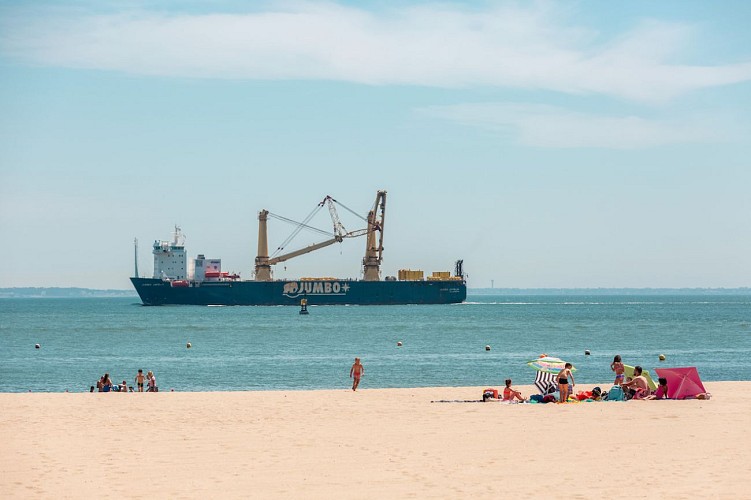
(303, 251)
(264, 263)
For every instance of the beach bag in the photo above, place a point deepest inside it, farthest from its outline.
(616, 394)
(537, 398)
(489, 394)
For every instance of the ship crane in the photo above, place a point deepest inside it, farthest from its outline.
(371, 263)
(263, 262)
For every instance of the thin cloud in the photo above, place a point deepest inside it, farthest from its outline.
(555, 127)
(535, 47)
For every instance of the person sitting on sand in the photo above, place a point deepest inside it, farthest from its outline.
(563, 386)
(124, 386)
(151, 382)
(355, 373)
(662, 390)
(106, 383)
(509, 394)
(638, 384)
(619, 369)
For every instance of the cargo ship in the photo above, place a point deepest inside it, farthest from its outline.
(201, 281)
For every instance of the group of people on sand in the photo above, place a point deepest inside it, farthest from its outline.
(105, 384)
(637, 387)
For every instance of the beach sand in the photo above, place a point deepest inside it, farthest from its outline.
(377, 443)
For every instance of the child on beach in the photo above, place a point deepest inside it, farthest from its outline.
(124, 386)
(139, 380)
(618, 368)
(662, 390)
(509, 394)
(563, 385)
(355, 373)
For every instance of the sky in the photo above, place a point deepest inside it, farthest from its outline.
(547, 144)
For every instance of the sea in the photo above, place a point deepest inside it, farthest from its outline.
(482, 342)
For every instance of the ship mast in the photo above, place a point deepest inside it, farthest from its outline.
(374, 253)
(135, 256)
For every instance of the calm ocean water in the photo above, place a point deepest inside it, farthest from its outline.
(254, 348)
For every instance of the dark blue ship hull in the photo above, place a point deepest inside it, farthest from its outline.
(155, 292)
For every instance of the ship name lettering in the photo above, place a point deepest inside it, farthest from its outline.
(294, 289)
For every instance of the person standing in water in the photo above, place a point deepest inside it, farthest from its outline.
(355, 373)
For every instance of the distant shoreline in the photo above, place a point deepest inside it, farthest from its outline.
(73, 292)
(60, 292)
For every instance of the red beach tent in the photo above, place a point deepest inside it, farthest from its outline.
(682, 382)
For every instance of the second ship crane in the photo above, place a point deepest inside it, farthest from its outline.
(373, 250)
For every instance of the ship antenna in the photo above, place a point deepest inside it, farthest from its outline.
(135, 250)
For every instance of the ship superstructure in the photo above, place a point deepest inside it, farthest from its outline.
(169, 257)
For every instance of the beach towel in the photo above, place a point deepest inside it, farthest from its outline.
(546, 382)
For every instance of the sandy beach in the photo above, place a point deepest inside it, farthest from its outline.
(377, 443)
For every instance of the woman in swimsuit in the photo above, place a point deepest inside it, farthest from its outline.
(509, 394)
(563, 385)
(106, 383)
(619, 370)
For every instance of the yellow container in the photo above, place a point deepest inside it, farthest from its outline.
(410, 275)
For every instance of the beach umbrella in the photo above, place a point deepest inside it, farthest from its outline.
(548, 364)
(547, 368)
(629, 371)
(682, 382)
(546, 382)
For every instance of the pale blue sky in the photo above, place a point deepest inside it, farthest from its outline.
(572, 144)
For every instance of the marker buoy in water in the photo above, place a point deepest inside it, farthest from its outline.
(399, 344)
(188, 345)
(487, 347)
(586, 353)
(37, 346)
(661, 357)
